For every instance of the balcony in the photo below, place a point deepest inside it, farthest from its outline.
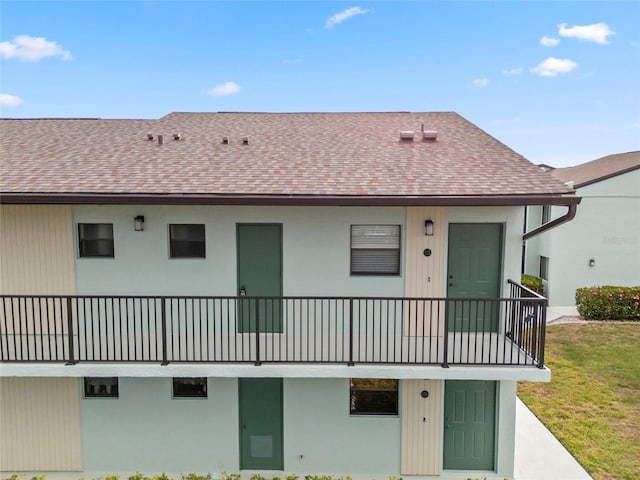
(286, 330)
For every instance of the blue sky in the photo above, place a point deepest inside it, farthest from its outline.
(559, 82)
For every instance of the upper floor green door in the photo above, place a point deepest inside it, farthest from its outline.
(474, 270)
(259, 253)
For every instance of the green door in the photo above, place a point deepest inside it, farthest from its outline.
(261, 424)
(469, 424)
(474, 271)
(259, 275)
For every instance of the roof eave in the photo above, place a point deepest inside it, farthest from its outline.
(287, 200)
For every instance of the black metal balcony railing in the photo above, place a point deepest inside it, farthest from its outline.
(347, 330)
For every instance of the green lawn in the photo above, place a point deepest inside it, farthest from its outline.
(592, 404)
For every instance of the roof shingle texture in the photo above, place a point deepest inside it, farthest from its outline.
(599, 169)
(288, 153)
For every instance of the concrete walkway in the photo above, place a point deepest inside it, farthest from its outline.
(538, 454)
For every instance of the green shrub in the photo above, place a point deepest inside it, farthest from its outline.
(532, 282)
(608, 303)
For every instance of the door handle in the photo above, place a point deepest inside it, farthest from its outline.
(243, 291)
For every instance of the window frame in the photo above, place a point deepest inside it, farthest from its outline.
(363, 413)
(174, 242)
(88, 236)
(543, 270)
(545, 215)
(398, 268)
(178, 395)
(106, 394)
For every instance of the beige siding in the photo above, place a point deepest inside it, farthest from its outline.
(40, 424)
(422, 427)
(426, 276)
(36, 242)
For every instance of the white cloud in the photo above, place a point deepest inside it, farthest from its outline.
(224, 89)
(598, 32)
(344, 15)
(32, 49)
(7, 100)
(481, 82)
(636, 124)
(513, 71)
(551, 67)
(549, 42)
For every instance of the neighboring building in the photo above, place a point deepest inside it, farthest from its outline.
(601, 246)
(309, 293)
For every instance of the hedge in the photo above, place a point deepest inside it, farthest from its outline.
(531, 282)
(608, 303)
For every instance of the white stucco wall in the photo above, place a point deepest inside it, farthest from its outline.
(318, 427)
(316, 251)
(146, 430)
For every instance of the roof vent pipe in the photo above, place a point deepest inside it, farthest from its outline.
(149, 136)
(177, 136)
(245, 140)
(160, 139)
(225, 140)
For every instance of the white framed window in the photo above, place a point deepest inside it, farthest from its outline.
(101, 387)
(375, 249)
(95, 240)
(186, 240)
(373, 396)
(544, 268)
(190, 387)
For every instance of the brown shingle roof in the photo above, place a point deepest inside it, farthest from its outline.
(334, 154)
(600, 169)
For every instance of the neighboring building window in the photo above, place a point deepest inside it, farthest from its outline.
(544, 268)
(101, 387)
(186, 240)
(546, 214)
(375, 249)
(373, 396)
(190, 387)
(95, 239)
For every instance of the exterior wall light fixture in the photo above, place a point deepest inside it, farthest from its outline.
(138, 223)
(592, 263)
(428, 227)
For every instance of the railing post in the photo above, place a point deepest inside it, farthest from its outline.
(258, 362)
(543, 328)
(350, 363)
(70, 333)
(163, 306)
(445, 361)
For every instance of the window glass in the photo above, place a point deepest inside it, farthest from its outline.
(544, 268)
(190, 387)
(375, 249)
(373, 396)
(95, 239)
(101, 387)
(186, 241)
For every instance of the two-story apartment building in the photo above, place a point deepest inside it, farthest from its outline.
(300, 293)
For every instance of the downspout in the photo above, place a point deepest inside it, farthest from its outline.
(549, 225)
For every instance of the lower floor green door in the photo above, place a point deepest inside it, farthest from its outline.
(469, 424)
(261, 424)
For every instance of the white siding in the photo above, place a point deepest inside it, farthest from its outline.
(40, 424)
(422, 427)
(36, 242)
(426, 275)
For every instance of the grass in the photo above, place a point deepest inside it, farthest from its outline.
(592, 404)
